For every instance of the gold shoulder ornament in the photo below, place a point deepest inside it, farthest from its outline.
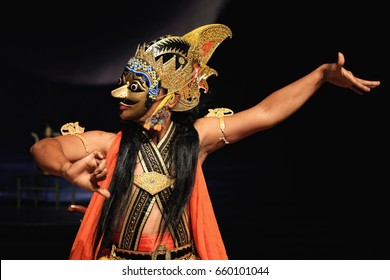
(73, 128)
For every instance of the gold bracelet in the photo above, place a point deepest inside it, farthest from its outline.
(222, 128)
(221, 113)
(74, 129)
(84, 142)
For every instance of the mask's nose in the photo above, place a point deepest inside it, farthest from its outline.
(120, 92)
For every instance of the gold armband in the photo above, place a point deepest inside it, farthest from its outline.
(75, 129)
(221, 113)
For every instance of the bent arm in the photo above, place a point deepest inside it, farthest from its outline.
(50, 156)
(67, 156)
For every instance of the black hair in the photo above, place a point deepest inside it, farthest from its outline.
(184, 157)
(121, 184)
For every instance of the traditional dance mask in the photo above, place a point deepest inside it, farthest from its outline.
(176, 63)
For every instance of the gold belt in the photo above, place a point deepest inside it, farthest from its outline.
(185, 252)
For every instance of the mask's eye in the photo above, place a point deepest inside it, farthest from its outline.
(135, 86)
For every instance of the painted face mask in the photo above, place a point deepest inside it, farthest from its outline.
(135, 94)
(175, 63)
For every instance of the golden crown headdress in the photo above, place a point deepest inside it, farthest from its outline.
(179, 64)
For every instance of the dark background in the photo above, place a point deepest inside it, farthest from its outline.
(313, 187)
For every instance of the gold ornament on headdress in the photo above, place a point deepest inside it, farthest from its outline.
(181, 62)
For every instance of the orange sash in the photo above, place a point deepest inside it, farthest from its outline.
(205, 230)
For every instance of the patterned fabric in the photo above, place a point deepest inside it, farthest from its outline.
(153, 158)
(206, 235)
